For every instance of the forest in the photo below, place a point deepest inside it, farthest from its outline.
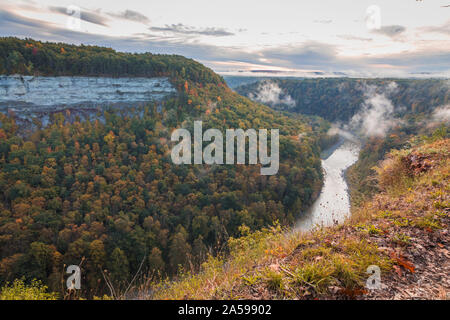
(31, 57)
(105, 194)
(339, 99)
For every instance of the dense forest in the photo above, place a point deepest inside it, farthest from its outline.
(339, 99)
(105, 193)
(403, 230)
(30, 57)
(413, 102)
(361, 176)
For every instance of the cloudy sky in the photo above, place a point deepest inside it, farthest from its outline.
(290, 37)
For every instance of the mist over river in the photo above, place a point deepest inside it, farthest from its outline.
(27, 97)
(333, 204)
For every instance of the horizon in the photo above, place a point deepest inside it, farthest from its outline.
(277, 152)
(293, 39)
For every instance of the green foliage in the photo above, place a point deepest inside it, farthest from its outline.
(338, 99)
(108, 190)
(18, 290)
(31, 57)
(401, 238)
(370, 229)
(118, 266)
(317, 276)
(274, 281)
(428, 222)
(329, 263)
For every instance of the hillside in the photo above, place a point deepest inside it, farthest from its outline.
(31, 57)
(339, 99)
(106, 195)
(403, 230)
(103, 192)
(383, 113)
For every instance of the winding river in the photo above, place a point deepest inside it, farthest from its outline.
(333, 204)
(28, 96)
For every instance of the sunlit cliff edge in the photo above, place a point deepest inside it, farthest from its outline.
(403, 230)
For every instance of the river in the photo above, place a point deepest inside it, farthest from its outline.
(333, 204)
(29, 96)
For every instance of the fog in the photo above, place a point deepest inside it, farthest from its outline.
(376, 115)
(270, 93)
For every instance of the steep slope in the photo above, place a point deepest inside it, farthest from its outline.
(31, 57)
(382, 113)
(106, 193)
(339, 99)
(403, 230)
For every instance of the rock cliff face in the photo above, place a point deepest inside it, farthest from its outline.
(28, 96)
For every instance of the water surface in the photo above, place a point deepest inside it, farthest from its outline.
(333, 204)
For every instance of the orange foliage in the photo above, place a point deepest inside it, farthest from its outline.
(2, 134)
(402, 261)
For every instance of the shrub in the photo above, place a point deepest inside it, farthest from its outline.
(18, 290)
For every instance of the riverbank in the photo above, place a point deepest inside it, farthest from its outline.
(333, 203)
(403, 231)
(325, 154)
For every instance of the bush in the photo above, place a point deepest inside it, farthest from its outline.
(20, 291)
(393, 172)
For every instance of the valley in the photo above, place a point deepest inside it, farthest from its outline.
(333, 204)
(86, 177)
(104, 189)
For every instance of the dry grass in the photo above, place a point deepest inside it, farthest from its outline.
(331, 262)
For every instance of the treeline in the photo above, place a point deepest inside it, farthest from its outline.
(109, 192)
(338, 99)
(361, 176)
(30, 57)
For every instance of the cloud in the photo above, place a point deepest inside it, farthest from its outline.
(436, 59)
(444, 29)
(336, 128)
(10, 21)
(131, 15)
(375, 118)
(442, 114)
(310, 58)
(85, 15)
(324, 21)
(12, 24)
(307, 54)
(390, 31)
(270, 93)
(183, 29)
(350, 37)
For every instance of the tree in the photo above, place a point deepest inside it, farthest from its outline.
(155, 261)
(199, 250)
(118, 266)
(97, 254)
(42, 258)
(179, 251)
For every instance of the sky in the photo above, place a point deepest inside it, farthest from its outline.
(385, 38)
